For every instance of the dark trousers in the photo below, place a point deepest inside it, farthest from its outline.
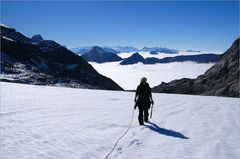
(143, 115)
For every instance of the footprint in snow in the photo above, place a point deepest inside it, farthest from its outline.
(134, 142)
(119, 150)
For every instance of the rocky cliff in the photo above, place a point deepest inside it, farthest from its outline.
(220, 80)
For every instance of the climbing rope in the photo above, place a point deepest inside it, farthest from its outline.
(121, 136)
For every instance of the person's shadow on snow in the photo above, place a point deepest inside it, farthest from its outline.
(163, 131)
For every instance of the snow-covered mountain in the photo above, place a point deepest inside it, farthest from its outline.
(99, 55)
(160, 50)
(120, 49)
(109, 49)
(81, 50)
(116, 49)
(125, 49)
(45, 62)
(85, 49)
(64, 123)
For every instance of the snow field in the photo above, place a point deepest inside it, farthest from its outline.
(65, 123)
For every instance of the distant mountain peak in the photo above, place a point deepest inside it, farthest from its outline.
(99, 55)
(193, 51)
(36, 38)
(136, 54)
(133, 59)
(160, 49)
(125, 49)
(154, 52)
(97, 49)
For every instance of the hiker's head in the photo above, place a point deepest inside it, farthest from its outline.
(143, 80)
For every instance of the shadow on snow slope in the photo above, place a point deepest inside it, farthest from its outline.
(163, 131)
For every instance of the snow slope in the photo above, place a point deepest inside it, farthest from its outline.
(64, 123)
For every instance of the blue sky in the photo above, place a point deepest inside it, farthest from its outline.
(200, 25)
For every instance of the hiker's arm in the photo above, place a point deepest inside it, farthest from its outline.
(150, 96)
(136, 95)
(135, 99)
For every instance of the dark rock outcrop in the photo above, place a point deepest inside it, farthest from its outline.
(133, 59)
(153, 52)
(200, 58)
(220, 80)
(99, 55)
(11, 33)
(193, 51)
(46, 63)
(151, 60)
(181, 86)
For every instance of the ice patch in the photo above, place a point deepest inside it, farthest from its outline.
(5, 26)
(8, 39)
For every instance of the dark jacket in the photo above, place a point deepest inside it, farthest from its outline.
(143, 92)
